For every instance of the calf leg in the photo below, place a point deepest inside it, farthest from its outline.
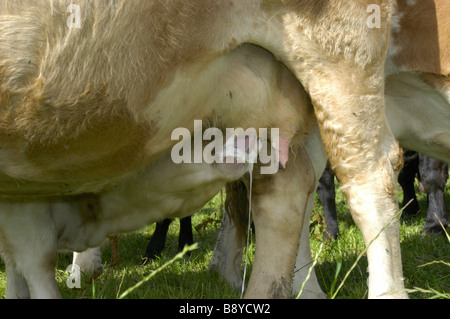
(158, 241)
(327, 196)
(433, 176)
(406, 180)
(186, 237)
(28, 245)
(227, 257)
(278, 205)
(16, 284)
(89, 261)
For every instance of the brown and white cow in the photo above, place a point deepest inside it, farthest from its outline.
(417, 110)
(91, 96)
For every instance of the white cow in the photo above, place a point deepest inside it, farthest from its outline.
(91, 91)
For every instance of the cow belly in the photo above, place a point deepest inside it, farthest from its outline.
(418, 115)
(231, 91)
(108, 148)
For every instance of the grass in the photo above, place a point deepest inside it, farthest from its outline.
(426, 261)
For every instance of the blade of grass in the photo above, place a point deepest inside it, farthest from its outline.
(435, 262)
(338, 270)
(445, 231)
(316, 258)
(180, 255)
(436, 294)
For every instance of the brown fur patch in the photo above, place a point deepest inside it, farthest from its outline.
(424, 36)
(437, 81)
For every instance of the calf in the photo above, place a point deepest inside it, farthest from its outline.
(90, 261)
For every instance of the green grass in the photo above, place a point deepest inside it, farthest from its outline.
(417, 249)
(426, 261)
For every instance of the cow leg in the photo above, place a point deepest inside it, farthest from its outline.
(278, 205)
(370, 190)
(433, 176)
(366, 159)
(185, 237)
(29, 246)
(344, 77)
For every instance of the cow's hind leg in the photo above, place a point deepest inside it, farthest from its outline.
(29, 247)
(366, 159)
(278, 205)
(344, 76)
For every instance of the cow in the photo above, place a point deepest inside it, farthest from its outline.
(165, 189)
(91, 91)
(418, 113)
